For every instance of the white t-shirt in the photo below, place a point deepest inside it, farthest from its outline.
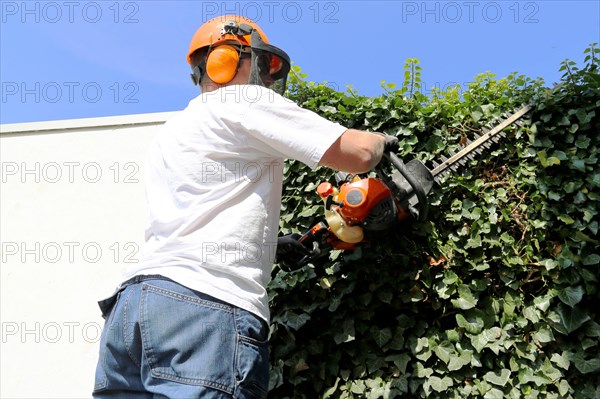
(213, 186)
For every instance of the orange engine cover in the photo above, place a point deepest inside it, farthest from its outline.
(360, 197)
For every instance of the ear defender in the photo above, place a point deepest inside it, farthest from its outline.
(222, 64)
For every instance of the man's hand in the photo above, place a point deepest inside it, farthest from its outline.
(391, 143)
(290, 250)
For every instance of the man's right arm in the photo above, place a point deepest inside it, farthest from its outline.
(355, 151)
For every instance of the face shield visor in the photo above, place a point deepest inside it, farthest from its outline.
(269, 65)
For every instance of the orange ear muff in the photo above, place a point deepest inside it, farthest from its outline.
(222, 64)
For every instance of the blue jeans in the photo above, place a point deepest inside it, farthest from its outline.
(162, 340)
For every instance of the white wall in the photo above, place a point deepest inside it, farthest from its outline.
(71, 217)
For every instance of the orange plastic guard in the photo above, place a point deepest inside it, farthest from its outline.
(325, 189)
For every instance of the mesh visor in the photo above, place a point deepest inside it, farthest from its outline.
(270, 65)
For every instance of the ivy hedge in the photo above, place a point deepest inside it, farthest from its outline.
(496, 294)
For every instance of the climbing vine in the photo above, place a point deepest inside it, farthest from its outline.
(496, 294)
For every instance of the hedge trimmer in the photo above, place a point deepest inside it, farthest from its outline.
(369, 204)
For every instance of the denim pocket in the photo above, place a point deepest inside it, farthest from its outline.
(253, 369)
(188, 339)
(252, 361)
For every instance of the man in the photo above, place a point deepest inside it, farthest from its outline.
(191, 319)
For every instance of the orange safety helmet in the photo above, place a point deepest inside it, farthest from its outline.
(213, 33)
(227, 39)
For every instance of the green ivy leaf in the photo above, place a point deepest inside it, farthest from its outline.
(527, 375)
(571, 295)
(547, 161)
(592, 329)
(497, 378)
(400, 361)
(532, 314)
(550, 371)
(458, 362)
(466, 299)
(330, 391)
(494, 393)
(295, 320)
(328, 109)
(347, 334)
(310, 211)
(358, 387)
(563, 387)
(561, 360)
(592, 259)
(542, 302)
(473, 325)
(444, 351)
(566, 219)
(564, 121)
(476, 115)
(543, 334)
(479, 341)
(381, 336)
(422, 371)
(439, 384)
(586, 365)
(565, 319)
(375, 362)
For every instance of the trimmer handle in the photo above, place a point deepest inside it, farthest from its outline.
(415, 178)
(317, 234)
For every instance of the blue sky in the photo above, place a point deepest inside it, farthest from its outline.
(79, 59)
